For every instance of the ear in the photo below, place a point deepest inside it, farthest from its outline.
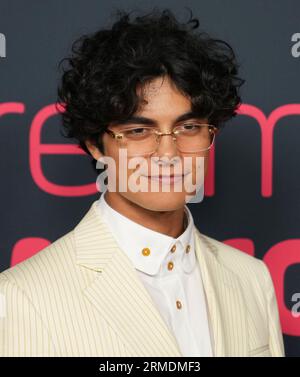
(94, 151)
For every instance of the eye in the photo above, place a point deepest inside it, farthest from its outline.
(190, 128)
(137, 132)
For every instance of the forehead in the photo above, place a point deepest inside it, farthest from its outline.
(161, 98)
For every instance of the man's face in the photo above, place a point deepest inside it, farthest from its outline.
(163, 104)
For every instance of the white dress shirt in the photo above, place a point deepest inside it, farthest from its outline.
(169, 271)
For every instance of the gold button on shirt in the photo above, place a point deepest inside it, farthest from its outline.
(146, 251)
(169, 270)
(173, 248)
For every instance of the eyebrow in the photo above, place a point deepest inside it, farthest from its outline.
(135, 119)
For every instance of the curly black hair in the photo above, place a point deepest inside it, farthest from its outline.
(105, 68)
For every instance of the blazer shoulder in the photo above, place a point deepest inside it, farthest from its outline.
(61, 251)
(238, 261)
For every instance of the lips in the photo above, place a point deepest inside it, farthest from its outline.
(172, 178)
(169, 175)
(165, 176)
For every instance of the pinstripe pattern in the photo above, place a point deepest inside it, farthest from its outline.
(81, 296)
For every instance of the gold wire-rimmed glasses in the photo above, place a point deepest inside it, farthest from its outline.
(190, 137)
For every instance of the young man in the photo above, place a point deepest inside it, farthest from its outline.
(135, 277)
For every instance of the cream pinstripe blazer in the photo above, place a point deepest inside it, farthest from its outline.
(81, 296)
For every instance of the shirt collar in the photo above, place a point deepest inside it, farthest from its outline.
(150, 252)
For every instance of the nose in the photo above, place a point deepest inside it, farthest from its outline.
(166, 147)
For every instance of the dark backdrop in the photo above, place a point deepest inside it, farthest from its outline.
(252, 194)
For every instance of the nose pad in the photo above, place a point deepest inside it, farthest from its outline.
(167, 146)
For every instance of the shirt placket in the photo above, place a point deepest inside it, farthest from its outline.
(173, 288)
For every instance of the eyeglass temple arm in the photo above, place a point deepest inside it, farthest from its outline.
(112, 134)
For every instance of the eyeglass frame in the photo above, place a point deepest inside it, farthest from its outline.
(119, 135)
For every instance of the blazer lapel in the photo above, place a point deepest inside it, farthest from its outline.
(226, 304)
(118, 293)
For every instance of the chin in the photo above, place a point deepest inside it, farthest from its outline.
(158, 201)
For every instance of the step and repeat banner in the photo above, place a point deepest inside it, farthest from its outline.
(253, 186)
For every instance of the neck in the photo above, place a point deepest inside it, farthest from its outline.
(171, 223)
